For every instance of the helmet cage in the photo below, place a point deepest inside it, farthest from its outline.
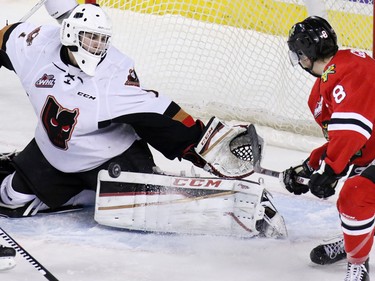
(93, 42)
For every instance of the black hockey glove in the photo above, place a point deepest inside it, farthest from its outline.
(290, 178)
(323, 181)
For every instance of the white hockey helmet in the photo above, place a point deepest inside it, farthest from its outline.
(60, 10)
(87, 33)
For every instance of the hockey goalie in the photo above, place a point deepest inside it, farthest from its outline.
(94, 117)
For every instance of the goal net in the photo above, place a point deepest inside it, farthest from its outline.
(228, 58)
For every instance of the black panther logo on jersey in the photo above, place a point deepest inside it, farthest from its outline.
(58, 122)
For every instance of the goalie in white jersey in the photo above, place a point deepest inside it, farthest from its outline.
(91, 111)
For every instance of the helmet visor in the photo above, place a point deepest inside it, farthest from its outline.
(296, 57)
(94, 43)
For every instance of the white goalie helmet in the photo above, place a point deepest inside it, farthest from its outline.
(87, 32)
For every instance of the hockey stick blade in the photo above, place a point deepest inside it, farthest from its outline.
(33, 10)
(48, 275)
(257, 157)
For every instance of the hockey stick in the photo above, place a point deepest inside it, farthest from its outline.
(48, 275)
(256, 157)
(32, 11)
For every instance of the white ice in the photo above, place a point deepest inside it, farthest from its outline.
(74, 247)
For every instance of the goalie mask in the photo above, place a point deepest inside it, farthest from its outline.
(313, 38)
(87, 33)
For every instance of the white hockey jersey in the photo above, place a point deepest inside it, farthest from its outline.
(72, 107)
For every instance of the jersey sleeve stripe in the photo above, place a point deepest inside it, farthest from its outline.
(352, 115)
(350, 121)
(349, 127)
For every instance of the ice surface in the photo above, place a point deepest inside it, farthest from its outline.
(75, 248)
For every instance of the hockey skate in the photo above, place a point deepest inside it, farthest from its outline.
(19, 211)
(330, 252)
(357, 272)
(7, 255)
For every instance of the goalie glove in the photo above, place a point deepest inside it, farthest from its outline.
(226, 149)
(291, 178)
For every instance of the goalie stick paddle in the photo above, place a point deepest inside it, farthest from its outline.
(33, 10)
(48, 275)
(257, 156)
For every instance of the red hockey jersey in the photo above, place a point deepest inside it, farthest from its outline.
(342, 102)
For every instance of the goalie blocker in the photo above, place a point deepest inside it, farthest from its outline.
(186, 205)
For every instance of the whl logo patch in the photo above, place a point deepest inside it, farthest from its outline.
(46, 81)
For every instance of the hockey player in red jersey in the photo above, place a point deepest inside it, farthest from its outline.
(91, 110)
(342, 102)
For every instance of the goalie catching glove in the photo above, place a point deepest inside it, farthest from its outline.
(227, 150)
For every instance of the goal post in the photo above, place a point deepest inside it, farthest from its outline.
(228, 58)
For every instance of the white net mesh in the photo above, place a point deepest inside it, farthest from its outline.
(228, 58)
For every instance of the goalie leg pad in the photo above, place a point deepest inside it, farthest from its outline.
(185, 205)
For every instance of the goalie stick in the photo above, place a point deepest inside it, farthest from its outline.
(256, 151)
(33, 10)
(48, 275)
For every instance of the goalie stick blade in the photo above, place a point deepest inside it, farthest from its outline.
(181, 205)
